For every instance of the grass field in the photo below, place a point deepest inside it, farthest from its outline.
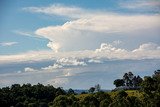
(135, 93)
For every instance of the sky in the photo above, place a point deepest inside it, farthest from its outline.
(77, 43)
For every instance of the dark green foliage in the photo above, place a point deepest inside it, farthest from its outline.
(19, 104)
(60, 101)
(128, 78)
(134, 102)
(91, 90)
(148, 85)
(118, 82)
(120, 102)
(60, 91)
(71, 91)
(43, 104)
(129, 81)
(64, 101)
(104, 99)
(102, 96)
(32, 105)
(90, 101)
(104, 103)
(48, 96)
(151, 89)
(122, 94)
(28, 95)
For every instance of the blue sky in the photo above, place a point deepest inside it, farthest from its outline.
(65, 40)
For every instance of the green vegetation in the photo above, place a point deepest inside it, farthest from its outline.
(28, 95)
(129, 81)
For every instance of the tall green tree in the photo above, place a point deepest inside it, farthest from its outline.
(71, 91)
(118, 82)
(91, 90)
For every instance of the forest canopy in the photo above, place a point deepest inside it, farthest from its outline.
(27, 95)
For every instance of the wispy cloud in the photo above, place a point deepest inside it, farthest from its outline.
(26, 57)
(29, 34)
(142, 5)
(8, 43)
(59, 9)
(117, 42)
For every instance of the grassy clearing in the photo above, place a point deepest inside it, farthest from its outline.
(135, 93)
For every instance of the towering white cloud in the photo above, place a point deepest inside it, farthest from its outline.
(99, 23)
(85, 24)
(81, 31)
(54, 46)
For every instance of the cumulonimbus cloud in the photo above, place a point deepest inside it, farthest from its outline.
(54, 46)
(88, 24)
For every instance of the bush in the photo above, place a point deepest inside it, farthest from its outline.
(105, 103)
(90, 101)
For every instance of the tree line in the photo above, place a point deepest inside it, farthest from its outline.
(28, 95)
